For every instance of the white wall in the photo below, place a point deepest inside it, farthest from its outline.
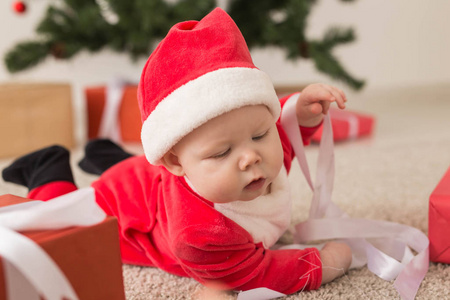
(399, 43)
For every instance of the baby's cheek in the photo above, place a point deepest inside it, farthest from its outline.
(220, 186)
(277, 156)
(227, 185)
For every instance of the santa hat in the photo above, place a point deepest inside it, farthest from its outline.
(199, 71)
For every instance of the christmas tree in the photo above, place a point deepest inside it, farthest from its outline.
(135, 27)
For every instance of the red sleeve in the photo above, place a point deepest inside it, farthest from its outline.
(307, 133)
(237, 263)
(124, 191)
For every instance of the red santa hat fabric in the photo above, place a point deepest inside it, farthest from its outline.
(199, 71)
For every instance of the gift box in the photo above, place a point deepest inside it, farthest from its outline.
(347, 125)
(128, 115)
(439, 221)
(88, 256)
(33, 116)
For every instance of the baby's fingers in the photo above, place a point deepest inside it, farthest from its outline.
(325, 107)
(325, 94)
(338, 95)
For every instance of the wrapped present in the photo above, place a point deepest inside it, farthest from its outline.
(113, 113)
(33, 116)
(439, 221)
(88, 256)
(347, 125)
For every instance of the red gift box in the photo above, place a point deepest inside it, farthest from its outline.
(129, 116)
(88, 256)
(347, 125)
(439, 221)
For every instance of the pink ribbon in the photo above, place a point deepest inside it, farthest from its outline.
(384, 246)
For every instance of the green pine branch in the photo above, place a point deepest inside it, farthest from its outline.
(321, 53)
(26, 55)
(79, 25)
(288, 32)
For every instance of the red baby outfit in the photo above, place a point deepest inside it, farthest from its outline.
(164, 223)
(201, 70)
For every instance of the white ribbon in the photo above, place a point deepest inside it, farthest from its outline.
(384, 246)
(352, 120)
(259, 294)
(109, 124)
(25, 260)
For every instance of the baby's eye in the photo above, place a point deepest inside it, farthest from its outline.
(221, 154)
(259, 137)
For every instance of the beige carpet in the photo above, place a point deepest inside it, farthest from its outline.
(388, 177)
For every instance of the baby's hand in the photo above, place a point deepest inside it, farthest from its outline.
(314, 102)
(336, 259)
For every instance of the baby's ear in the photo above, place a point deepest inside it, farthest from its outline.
(171, 162)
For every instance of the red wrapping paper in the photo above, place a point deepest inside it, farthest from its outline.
(88, 256)
(347, 125)
(439, 221)
(129, 115)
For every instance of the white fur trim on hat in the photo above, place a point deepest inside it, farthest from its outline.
(203, 99)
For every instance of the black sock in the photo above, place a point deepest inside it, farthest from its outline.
(100, 155)
(40, 167)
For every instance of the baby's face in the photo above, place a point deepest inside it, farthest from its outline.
(235, 156)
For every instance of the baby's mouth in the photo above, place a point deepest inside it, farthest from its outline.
(256, 184)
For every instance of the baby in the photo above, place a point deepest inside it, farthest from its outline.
(215, 197)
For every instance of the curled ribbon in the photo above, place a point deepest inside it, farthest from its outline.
(384, 246)
(25, 260)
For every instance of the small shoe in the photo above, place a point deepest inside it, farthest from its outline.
(100, 155)
(40, 167)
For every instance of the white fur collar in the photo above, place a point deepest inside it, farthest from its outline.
(267, 217)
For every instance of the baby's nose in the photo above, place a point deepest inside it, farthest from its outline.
(249, 158)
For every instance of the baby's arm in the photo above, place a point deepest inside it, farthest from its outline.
(336, 259)
(314, 102)
(214, 254)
